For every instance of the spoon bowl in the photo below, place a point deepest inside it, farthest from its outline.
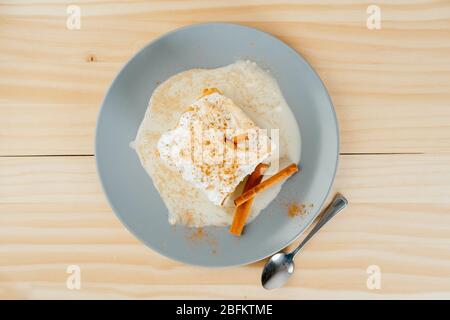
(277, 271)
(280, 266)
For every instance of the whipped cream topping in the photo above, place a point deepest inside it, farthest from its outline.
(215, 146)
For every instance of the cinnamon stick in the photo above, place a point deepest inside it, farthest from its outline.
(242, 212)
(279, 176)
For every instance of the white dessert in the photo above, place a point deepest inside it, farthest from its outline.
(214, 159)
(258, 97)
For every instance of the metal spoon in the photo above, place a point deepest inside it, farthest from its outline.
(281, 266)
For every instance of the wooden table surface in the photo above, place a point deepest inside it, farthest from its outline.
(391, 91)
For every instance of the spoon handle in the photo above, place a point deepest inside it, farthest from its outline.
(339, 202)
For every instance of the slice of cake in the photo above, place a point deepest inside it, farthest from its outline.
(215, 145)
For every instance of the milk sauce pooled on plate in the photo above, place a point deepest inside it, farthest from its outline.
(254, 91)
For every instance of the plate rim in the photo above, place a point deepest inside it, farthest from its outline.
(149, 44)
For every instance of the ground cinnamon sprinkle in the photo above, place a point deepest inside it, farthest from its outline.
(296, 209)
(197, 234)
(187, 217)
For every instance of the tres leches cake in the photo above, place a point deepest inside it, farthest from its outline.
(209, 152)
(215, 145)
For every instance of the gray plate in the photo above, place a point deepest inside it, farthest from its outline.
(130, 191)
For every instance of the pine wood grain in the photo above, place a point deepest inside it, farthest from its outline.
(391, 91)
(390, 87)
(54, 215)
